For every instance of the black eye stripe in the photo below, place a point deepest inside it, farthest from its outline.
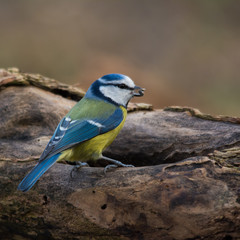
(121, 85)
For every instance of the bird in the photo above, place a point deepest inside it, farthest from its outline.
(89, 127)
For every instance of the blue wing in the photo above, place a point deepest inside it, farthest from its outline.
(71, 132)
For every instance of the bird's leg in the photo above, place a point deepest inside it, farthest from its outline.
(115, 164)
(78, 166)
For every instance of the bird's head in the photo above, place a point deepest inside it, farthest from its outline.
(115, 88)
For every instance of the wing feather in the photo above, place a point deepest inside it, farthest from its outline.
(71, 132)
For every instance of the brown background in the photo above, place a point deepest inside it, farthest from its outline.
(183, 52)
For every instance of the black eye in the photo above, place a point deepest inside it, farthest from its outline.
(123, 86)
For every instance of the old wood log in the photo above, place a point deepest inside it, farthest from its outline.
(186, 185)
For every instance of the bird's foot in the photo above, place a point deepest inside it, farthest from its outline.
(115, 164)
(77, 167)
(108, 167)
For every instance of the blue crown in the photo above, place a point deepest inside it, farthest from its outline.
(113, 76)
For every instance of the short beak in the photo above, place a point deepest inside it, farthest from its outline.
(140, 91)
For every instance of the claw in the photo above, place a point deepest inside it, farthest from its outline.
(71, 173)
(108, 167)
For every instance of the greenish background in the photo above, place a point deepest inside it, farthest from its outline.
(184, 52)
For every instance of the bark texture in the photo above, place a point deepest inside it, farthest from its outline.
(186, 185)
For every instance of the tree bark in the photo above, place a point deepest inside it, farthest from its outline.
(185, 185)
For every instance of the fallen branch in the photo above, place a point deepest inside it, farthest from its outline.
(193, 195)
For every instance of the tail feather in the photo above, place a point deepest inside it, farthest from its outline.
(36, 173)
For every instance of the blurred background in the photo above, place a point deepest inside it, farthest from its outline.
(184, 52)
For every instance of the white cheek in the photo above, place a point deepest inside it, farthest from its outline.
(120, 96)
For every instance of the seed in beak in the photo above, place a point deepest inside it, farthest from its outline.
(140, 91)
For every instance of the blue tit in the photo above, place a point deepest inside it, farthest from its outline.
(89, 127)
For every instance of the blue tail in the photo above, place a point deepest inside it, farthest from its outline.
(36, 173)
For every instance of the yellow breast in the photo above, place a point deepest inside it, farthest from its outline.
(93, 148)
